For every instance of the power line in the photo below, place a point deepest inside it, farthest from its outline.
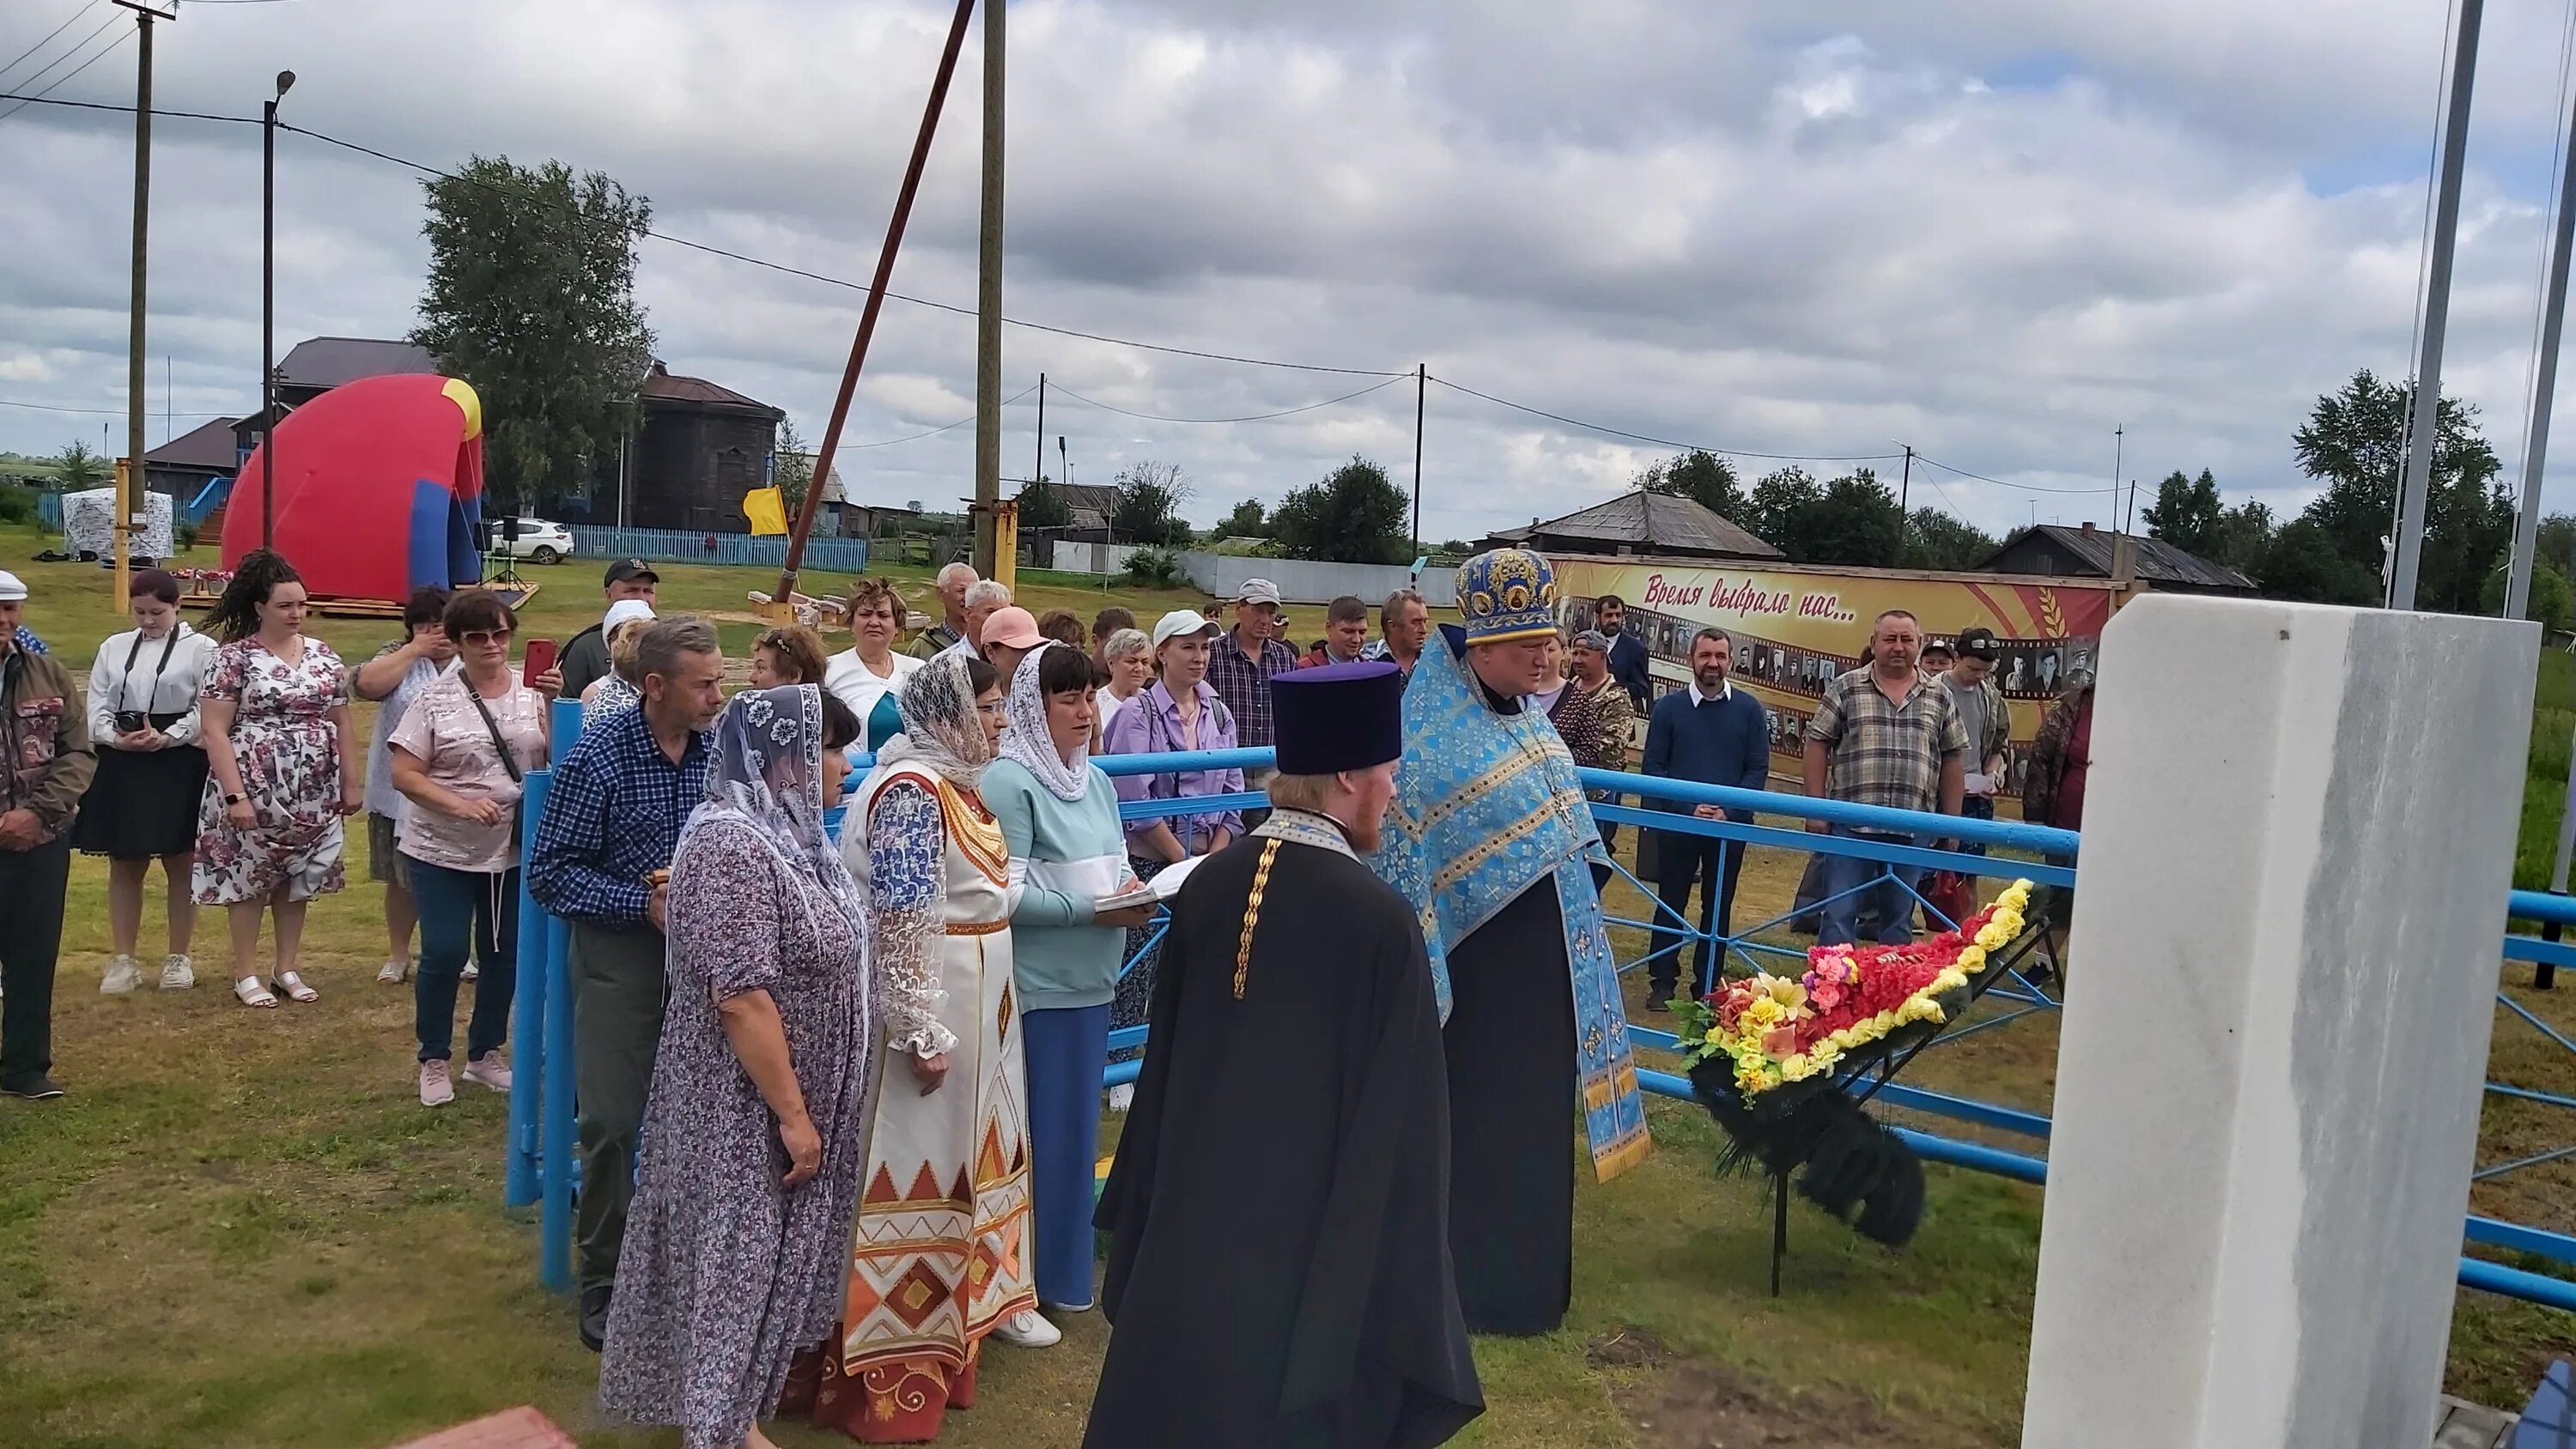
(1253, 418)
(21, 57)
(942, 428)
(1922, 457)
(76, 70)
(163, 112)
(1668, 442)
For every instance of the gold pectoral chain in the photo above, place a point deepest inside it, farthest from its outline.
(1252, 915)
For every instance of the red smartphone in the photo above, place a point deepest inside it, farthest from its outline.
(541, 657)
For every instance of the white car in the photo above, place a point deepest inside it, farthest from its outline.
(538, 542)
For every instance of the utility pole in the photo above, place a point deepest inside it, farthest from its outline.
(129, 475)
(2119, 461)
(268, 312)
(2406, 538)
(1904, 502)
(2544, 383)
(1039, 471)
(1421, 380)
(988, 303)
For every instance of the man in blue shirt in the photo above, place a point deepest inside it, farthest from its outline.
(1715, 734)
(1627, 651)
(602, 862)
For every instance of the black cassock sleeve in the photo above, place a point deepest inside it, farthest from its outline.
(1128, 1196)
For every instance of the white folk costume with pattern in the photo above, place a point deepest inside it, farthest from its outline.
(941, 1251)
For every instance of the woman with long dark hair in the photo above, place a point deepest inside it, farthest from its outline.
(283, 771)
(142, 804)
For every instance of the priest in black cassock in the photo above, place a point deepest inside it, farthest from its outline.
(1279, 1269)
(1491, 839)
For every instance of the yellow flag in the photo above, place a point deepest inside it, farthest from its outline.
(767, 510)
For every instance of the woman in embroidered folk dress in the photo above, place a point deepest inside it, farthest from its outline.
(283, 771)
(941, 1256)
(758, 1114)
(142, 804)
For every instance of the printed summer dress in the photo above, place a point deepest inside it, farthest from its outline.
(289, 754)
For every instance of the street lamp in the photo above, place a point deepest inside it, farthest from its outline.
(268, 311)
(1063, 460)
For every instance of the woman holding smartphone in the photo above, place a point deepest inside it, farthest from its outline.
(142, 805)
(460, 756)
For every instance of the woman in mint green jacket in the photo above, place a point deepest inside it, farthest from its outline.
(1059, 815)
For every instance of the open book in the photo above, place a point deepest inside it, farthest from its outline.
(1165, 885)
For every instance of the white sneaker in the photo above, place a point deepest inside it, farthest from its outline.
(435, 1089)
(473, 972)
(490, 1070)
(395, 973)
(1122, 1096)
(178, 973)
(1025, 1329)
(122, 976)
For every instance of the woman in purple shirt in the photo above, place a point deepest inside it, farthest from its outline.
(1178, 711)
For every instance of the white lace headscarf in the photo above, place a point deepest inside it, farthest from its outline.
(1025, 736)
(942, 731)
(767, 766)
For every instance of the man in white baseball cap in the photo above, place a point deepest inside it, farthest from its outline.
(45, 764)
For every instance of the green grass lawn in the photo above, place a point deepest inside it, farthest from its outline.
(241, 1229)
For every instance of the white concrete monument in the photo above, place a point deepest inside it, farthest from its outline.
(2298, 834)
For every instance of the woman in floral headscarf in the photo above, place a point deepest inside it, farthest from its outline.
(941, 1257)
(758, 1116)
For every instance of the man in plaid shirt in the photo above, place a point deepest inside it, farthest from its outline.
(1243, 661)
(602, 861)
(1884, 735)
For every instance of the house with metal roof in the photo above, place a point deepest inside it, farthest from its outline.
(2052, 550)
(1639, 525)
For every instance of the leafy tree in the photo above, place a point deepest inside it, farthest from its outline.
(2186, 512)
(1043, 505)
(1149, 502)
(2355, 442)
(1936, 540)
(80, 468)
(791, 467)
(531, 298)
(2557, 541)
(1852, 520)
(2552, 600)
(1456, 548)
(1356, 515)
(1702, 477)
(2242, 534)
(1248, 520)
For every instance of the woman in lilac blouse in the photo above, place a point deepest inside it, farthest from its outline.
(1178, 711)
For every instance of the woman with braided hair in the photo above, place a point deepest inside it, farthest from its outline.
(942, 1256)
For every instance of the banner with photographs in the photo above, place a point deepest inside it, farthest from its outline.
(1795, 628)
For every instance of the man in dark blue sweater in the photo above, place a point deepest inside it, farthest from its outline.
(1715, 734)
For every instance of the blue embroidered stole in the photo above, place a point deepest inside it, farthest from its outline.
(1487, 806)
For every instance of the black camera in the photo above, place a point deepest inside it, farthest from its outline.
(131, 721)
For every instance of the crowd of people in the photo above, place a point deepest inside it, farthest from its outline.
(839, 1098)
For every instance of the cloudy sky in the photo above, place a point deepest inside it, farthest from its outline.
(1993, 229)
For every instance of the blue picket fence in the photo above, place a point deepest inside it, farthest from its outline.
(672, 545)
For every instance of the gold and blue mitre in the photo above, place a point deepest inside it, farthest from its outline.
(1506, 593)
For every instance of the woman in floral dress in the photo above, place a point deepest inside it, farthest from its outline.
(283, 771)
(758, 1115)
(941, 1257)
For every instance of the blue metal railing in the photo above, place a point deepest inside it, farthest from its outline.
(676, 545)
(542, 1168)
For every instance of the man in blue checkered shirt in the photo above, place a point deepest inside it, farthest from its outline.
(602, 862)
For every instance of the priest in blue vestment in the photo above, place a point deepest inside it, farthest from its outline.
(1490, 840)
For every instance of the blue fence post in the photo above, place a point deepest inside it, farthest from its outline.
(519, 1168)
(546, 1030)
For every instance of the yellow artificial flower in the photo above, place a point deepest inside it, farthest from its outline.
(1785, 991)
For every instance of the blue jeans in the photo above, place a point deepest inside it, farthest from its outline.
(463, 910)
(1845, 895)
(1066, 1048)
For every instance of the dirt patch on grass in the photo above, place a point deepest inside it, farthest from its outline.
(1676, 1401)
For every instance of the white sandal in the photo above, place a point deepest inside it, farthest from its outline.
(251, 993)
(293, 985)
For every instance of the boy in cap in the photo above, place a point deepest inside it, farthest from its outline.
(45, 763)
(1303, 1206)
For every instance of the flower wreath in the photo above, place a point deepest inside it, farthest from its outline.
(1778, 1029)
